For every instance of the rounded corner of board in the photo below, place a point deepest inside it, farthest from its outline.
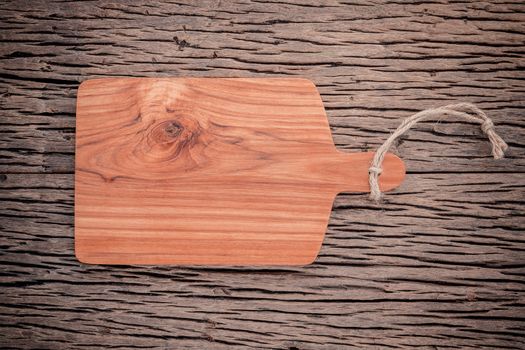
(84, 85)
(81, 256)
(308, 261)
(308, 81)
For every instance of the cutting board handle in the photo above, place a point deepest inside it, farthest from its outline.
(350, 171)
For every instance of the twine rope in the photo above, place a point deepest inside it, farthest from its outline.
(463, 110)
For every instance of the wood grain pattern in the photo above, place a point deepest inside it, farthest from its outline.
(438, 265)
(208, 171)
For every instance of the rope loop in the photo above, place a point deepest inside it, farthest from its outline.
(464, 110)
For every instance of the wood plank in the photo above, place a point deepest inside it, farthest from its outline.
(438, 265)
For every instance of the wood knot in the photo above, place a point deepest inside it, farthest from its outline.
(168, 139)
(166, 132)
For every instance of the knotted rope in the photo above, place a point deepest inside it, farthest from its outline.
(464, 110)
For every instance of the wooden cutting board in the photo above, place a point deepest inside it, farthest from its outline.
(208, 171)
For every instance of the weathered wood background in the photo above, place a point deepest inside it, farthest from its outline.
(440, 264)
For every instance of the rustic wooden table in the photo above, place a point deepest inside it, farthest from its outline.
(440, 264)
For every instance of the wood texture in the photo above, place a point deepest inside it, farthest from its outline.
(208, 171)
(439, 265)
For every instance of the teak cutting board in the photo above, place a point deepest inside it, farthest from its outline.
(208, 171)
